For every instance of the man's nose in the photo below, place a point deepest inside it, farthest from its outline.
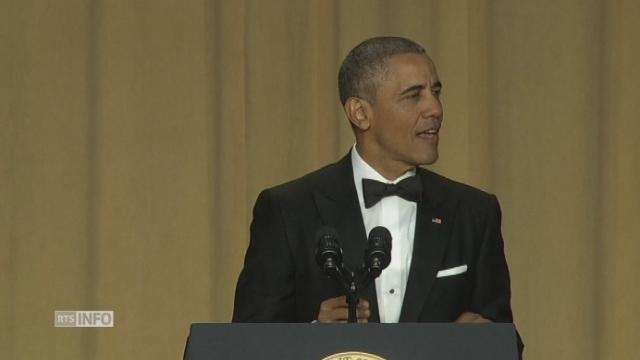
(432, 107)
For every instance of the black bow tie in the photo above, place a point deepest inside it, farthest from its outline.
(409, 189)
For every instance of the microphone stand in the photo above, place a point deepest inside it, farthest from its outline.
(347, 279)
(353, 284)
(352, 298)
(377, 257)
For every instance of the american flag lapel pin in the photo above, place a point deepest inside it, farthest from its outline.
(436, 220)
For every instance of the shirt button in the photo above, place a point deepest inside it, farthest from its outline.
(392, 291)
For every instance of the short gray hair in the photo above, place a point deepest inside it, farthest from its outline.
(365, 65)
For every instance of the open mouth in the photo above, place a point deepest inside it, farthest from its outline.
(429, 132)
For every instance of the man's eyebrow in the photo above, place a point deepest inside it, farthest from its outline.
(412, 88)
(436, 85)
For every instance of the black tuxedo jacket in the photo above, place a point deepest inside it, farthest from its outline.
(455, 225)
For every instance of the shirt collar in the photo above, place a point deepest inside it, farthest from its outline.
(361, 169)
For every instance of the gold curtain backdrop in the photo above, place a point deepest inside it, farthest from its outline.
(135, 136)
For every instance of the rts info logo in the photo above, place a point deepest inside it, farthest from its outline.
(83, 318)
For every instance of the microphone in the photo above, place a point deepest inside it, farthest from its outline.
(377, 254)
(329, 252)
(329, 258)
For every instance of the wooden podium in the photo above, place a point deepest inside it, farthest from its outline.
(402, 341)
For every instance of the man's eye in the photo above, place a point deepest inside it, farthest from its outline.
(437, 91)
(414, 95)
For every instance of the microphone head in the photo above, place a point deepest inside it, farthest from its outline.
(377, 255)
(329, 252)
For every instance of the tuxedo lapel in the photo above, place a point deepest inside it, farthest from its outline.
(434, 221)
(337, 204)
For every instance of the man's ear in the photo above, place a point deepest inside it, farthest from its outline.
(358, 112)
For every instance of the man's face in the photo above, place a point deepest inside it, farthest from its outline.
(406, 112)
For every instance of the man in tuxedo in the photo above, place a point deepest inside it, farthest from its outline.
(447, 260)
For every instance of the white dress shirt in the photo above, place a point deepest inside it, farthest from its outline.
(399, 216)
